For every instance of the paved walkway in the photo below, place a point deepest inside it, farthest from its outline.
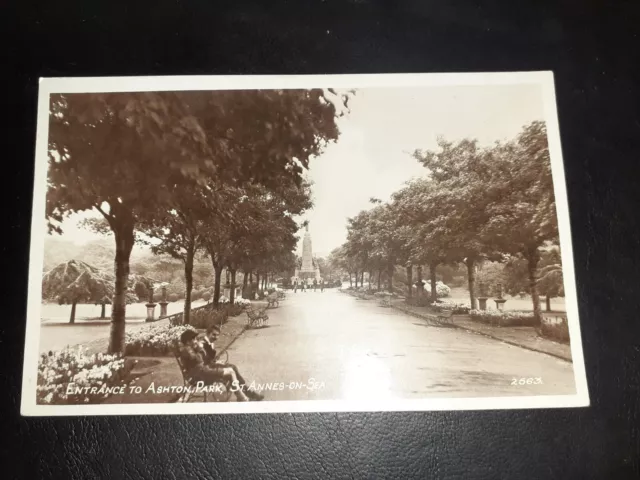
(333, 346)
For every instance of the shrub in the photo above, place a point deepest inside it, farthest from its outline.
(558, 331)
(421, 301)
(56, 370)
(206, 296)
(234, 310)
(205, 317)
(173, 297)
(196, 295)
(154, 341)
(441, 290)
(503, 319)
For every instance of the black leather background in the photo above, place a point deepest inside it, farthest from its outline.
(594, 53)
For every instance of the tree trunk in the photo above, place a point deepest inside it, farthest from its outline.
(188, 280)
(356, 275)
(471, 276)
(391, 271)
(124, 237)
(548, 303)
(533, 257)
(432, 274)
(245, 278)
(350, 280)
(379, 279)
(362, 278)
(410, 281)
(72, 317)
(258, 280)
(420, 287)
(232, 291)
(370, 278)
(216, 288)
(103, 312)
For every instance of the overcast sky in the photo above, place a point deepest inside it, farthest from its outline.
(372, 156)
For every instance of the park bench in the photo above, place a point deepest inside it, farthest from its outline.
(273, 300)
(221, 393)
(257, 318)
(445, 316)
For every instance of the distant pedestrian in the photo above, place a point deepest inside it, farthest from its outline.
(315, 283)
(295, 287)
(321, 286)
(302, 286)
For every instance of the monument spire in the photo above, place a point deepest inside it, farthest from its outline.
(308, 269)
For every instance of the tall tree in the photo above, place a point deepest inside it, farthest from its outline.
(179, 230)
(461, 172)
(522, 217)
(121, 153)
(427, 241)
(112, 152)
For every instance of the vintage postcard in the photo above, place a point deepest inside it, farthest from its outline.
(300, 243)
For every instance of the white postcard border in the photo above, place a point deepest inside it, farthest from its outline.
(29, 407)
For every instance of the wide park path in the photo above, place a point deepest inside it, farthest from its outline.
(330, 345)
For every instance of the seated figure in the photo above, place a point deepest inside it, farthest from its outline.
(194, 359)
(208, 345)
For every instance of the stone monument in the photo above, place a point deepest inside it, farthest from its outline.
(308, 269)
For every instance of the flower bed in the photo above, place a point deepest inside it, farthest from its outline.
(154, 341)
(504, 319)
(457, 308)
(71, 369)
(243, 302)
(203, 318)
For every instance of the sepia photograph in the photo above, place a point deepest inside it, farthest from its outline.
(300, 243)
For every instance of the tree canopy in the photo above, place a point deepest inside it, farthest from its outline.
(473, 204)
(135, 156)
(76, 282)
